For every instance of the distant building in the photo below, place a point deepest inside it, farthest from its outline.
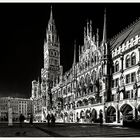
(106, 78)
(18, 105)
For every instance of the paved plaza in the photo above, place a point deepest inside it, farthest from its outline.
(67, 130)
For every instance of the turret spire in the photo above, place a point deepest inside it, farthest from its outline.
(51, 14)
(97, 37)
(79, 52)
(87, 28)
(104, 29)
(74, 59)
(90, 28)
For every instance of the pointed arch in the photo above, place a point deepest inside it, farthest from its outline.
(127, 111)
(93, 76)
(111, 114)
(93, 115)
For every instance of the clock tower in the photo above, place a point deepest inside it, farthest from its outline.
(50, 74)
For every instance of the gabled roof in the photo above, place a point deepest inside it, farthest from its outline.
(125, 35)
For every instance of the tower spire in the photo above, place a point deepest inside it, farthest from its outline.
(97, 36)
(104, 29)
(74, 59)
(51, 14)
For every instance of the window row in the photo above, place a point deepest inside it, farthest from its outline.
(129, 78)
(129, 61)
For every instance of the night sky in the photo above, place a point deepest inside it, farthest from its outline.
(23, 30)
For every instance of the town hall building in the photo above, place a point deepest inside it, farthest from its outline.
(105, 79)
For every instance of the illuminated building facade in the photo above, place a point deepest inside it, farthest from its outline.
(106, 77)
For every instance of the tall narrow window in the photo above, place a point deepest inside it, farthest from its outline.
(117, 82)
(127, 78)
(133, 77)
(133, 59)
(127, 61)
(116, 66)
(100, 73)
(93, 76)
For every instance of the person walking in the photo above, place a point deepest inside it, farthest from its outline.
(52, 120)
(31, 119)
(21, 119)
(101, 117)
(48, 119)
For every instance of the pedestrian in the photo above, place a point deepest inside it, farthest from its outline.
(21, 119)
(48, 119)
(31, 119)
(101, 118)
(52, 120)
(77, 119)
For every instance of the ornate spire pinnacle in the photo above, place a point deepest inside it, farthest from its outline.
(91, 28)
(104, 29)
(51, 14)
(74, 59)
(97, 36)
(87, 28)
(79, 52)
(84, 32)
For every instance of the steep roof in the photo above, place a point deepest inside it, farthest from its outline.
(125, 35)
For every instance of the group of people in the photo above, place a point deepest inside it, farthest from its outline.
(51, 119)
(100, 118)
(22, 118)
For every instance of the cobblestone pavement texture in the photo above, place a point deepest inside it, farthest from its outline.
(92, 130)
(25, 131)
(67, 130)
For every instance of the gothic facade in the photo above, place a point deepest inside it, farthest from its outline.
(105, 79)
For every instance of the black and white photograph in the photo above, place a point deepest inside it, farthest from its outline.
(69, 69)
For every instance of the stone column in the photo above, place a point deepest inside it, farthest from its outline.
(104, 113)
(117, 113)
(135, 112)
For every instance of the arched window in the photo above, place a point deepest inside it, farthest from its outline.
(82, 81)
(100, 73)
(133, 58)
(92, 60)
(95, 59)
(87, 79)
(116, 66)
(127, 61)
(93, 76)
